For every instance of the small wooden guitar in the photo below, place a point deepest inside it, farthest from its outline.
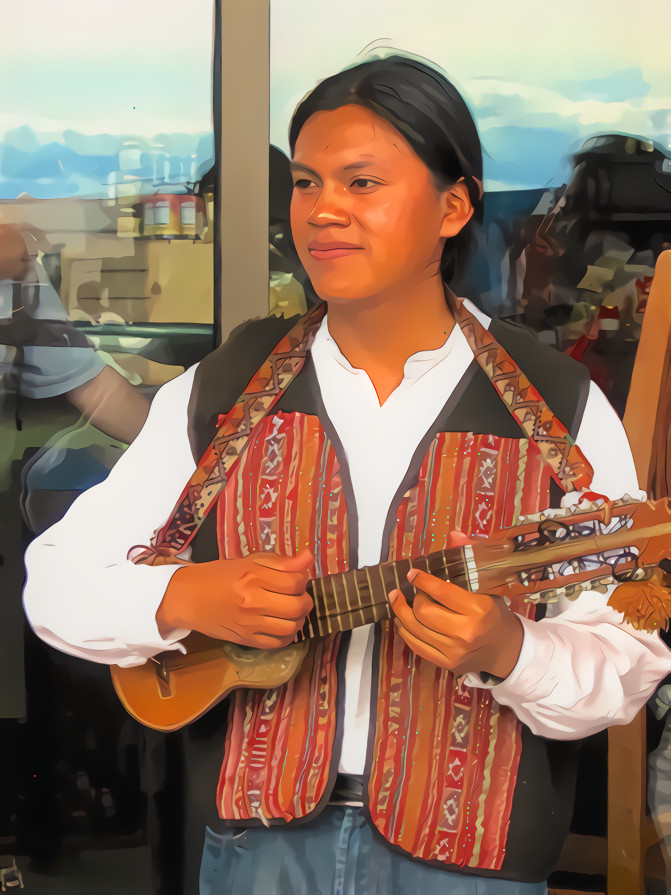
(548, 556)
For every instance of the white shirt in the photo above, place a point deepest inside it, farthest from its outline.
(577, 672)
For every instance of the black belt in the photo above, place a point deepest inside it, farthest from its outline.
(348, 788)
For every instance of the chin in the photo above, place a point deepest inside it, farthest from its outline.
(340, 294)
(341, 287)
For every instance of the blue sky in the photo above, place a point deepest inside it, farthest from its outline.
(540, 76)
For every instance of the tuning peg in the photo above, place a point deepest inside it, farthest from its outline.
(570, 591)
(625, 499)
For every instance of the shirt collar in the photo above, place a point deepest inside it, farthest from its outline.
(415, 366)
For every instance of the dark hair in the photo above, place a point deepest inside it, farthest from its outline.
(432, 116)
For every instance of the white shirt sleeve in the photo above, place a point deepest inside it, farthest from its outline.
(582, 669)
(82, 594)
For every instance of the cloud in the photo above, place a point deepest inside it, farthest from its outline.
(529, 130)
(620, 86)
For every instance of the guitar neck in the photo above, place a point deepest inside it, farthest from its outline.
(352, 599)
(542, 559)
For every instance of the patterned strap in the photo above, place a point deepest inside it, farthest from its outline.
(569, 466)
(234, 434)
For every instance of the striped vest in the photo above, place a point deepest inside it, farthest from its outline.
(445, 758)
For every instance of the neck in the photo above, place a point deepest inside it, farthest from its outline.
(379, 333)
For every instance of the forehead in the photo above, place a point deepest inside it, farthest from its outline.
(336, 136)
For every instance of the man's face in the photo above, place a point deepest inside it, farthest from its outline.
(366, 215)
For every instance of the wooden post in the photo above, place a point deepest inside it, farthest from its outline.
(630, 832)
(648, 377)
(626, 807)
(241, 126)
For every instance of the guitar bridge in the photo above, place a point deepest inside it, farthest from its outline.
(162, 676)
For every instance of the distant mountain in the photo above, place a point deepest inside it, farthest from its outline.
(50, 166)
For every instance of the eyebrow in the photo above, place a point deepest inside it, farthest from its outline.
(296, 166)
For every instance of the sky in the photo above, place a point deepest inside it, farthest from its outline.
(540, 76)
(107, 66)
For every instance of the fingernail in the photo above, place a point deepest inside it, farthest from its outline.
(412, 574)
(392, 596)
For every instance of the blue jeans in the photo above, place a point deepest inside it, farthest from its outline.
(335, 854)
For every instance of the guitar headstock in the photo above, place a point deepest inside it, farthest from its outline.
(592, 545)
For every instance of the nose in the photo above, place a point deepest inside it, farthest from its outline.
(329, 207)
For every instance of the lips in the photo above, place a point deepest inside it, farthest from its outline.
(326, 250)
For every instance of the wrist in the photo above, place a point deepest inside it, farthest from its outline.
(171, 614)
(508, 647)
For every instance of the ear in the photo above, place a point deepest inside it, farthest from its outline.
(458, 209)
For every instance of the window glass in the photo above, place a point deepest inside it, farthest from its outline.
(98, 140)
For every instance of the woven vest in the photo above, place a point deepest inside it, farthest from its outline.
(445, 756)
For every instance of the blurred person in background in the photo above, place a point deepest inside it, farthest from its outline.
(43, 355)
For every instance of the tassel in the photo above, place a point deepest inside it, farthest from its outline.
(644, 604)
(151, 556)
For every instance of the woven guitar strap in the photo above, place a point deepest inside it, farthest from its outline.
(568, 465)
(200, 494)
(566, 461)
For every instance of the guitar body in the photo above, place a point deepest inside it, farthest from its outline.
(173, 689)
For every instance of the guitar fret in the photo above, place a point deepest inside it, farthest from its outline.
(403, 566)
(344, 585)
(445, 564)
(338, 593)
(337, 609)
(389, 579)
(370, 584)
(357, 608)
(335, 613)
(382, 581)
(395, 568)
(327, 616)
(355, 578)
(380, 611)
(383, 595)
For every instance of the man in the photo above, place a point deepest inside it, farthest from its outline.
(388, 439)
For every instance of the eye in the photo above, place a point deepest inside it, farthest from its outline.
(303, 183)
(365, 183)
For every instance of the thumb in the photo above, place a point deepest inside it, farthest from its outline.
(457, 538)
(298, 563)
(301, 562)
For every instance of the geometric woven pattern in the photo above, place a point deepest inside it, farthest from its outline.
(201, 492)
(570, 468)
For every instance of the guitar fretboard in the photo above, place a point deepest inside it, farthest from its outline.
(359, 597)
